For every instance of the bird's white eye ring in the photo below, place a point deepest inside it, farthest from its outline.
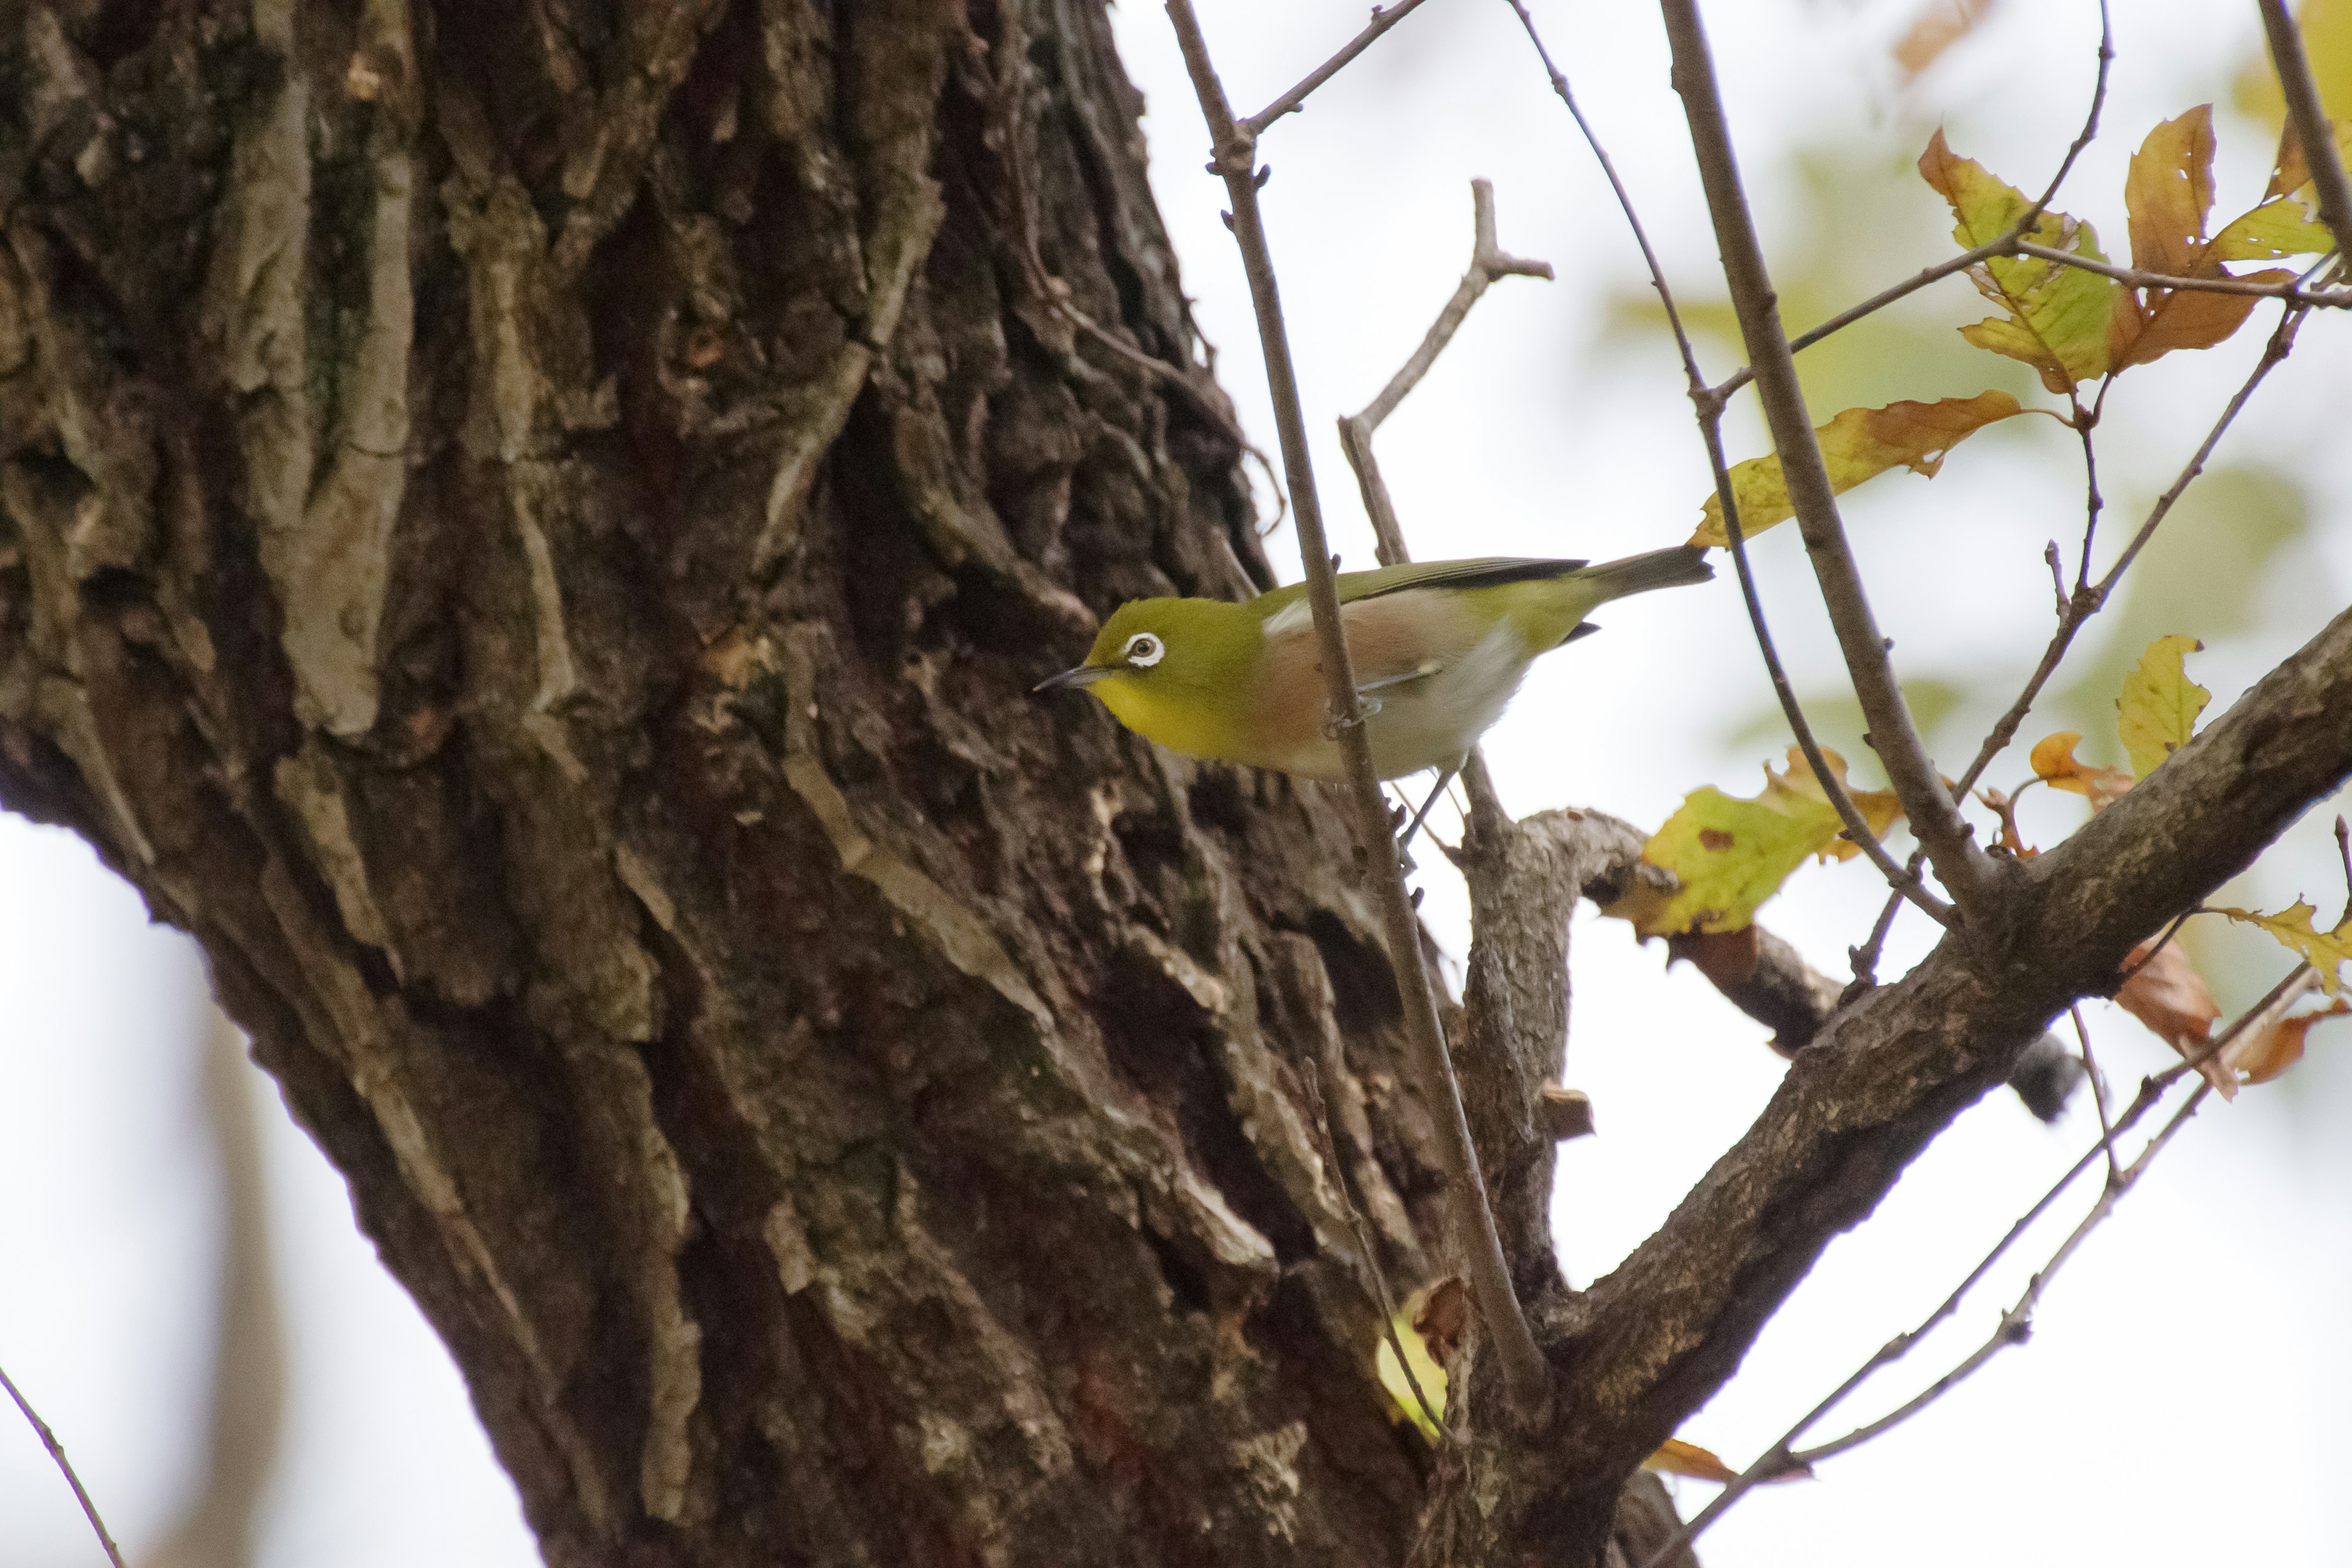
(1143, 650)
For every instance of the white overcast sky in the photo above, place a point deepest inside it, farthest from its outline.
(2181, 1399)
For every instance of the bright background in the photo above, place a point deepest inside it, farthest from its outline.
(2180, 1400)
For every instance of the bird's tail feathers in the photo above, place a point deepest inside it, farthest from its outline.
(1674, 568)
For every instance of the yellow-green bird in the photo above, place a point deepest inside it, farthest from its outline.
(1439, 647)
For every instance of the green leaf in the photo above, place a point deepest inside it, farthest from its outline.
(2325, 951)
(2157, 711)
(1729, 856)
(2057, 316)
(1857, 444)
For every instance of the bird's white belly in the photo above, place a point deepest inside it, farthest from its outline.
(1432, 722)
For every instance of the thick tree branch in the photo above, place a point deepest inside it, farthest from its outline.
(1963, 866)
(1524, 1369)
(1658, 1336)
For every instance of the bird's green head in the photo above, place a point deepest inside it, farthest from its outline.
(1177, 671)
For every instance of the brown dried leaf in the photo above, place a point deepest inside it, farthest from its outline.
(2167, 994)
(2053, 763)
(1444, 1315)
(2262, 1056)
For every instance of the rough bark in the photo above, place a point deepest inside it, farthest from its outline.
(528, 528)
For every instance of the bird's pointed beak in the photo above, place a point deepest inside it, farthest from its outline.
(1072, 679)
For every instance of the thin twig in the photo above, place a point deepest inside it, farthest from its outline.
(1328, 1141)
(2310, 118)
(65, 1467)
(1527, 1376)
(1985, 252)
(1709, 409)
(2132, 276)
(1961, 865)
(1382, 20)
(2098, 1091)
(1489, 261)
(2087, 602)
(2016, 1322)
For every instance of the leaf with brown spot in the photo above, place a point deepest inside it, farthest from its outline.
(2156, 713)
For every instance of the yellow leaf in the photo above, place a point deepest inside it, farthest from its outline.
(1880, 808)
(2326, 26)
(1857, 444)
(1425, 1371)
(2262, 1055)
(2292, 175)
(2157, 711)
(2167, 994)
(2325, 951)
(2053, 763)
(2057, 316)
(2281, 226)
(1730, 855)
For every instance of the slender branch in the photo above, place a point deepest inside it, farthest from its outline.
(1525, 1374)
(1382, 20)
(1489, 261)
(2309, 116)
(2015, 1322)
(1959, 863)
(2132, 275)
(2087, 602)
(2098, 1091)
(1328, 1143)
(1709, 408)
(65, 1467)
(1962, 262)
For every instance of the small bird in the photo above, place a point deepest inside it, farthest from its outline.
(1439, 648)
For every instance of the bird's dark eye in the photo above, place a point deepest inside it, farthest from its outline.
(1143, 650)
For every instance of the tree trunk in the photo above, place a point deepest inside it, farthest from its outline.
(529, 530)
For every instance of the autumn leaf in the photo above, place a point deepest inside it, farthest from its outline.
(2325, 951)
(2292, 174)
(1727, 855)
(2262, 1055)
(1940, 25)
(1880, 808)
(2157, 711)
(1857, 444)
(2167, 994)
(2168, 193)
(2053, 763)
(1425, 1372)
(2057, 316)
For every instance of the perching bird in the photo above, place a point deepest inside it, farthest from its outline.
(1438, 648)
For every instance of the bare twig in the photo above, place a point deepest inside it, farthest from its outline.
(1960, 862)
(1709, 409)
(1489, 261)
(1382, 20)
(65, 1467)
(1985, 252)
(2098, 1092)
(2016, 1322)
(2088, 601)
(1525, 1374)
(2309, 116)
(2292, 289)
(1329, 1146)
(1784, 1457)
